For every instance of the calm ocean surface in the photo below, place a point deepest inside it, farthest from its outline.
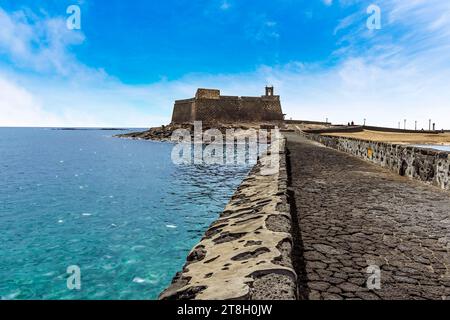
(119, 209)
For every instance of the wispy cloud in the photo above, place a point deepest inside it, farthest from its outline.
(39, 44)
(43, 84)
(403, 66)
(398, 72)
(18, 106)
(225, 5)
(262, 28)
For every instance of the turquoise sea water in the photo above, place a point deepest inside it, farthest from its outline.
(119, 209)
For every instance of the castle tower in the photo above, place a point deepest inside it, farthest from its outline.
(210, 106)
(269, 91)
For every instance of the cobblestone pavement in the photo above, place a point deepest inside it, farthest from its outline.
(353, 214)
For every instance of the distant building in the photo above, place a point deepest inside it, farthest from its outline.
(211, 107)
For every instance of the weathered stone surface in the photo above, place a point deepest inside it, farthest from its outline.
(210, 107)
(246, 253)
(273, 287)
(353, 214)
(426, 165)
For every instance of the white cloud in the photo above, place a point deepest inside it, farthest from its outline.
(225, 5)
(39, 44)
(45, 85)
(261, 28)
(381, 76)
(19, 107)
(404, 64)
(69, 106)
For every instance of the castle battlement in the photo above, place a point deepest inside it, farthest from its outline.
(211, 107)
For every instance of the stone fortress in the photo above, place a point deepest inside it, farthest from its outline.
(209, 106)
(312, 228)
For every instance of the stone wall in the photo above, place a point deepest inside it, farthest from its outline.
(427, 165)
(238, 109)
(246, 253)
(207, 94)
(357, 128)
(307, 122)
(210, 107)
(183, 111)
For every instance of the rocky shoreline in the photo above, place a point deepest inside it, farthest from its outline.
(246, 253)
(164, 133)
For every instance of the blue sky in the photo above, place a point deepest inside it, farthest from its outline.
(131, 59)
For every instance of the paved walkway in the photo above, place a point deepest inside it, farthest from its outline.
(353, 214)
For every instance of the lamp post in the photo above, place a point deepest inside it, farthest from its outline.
(404, 127)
